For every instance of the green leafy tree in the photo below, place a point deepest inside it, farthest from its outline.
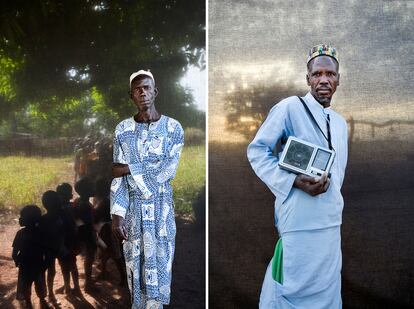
(64, 65)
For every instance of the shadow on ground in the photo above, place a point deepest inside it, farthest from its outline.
(188, 287)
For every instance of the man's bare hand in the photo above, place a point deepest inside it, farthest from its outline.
(312, 185)
(119, 169)
(118, 228)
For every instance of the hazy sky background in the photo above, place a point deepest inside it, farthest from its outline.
(266, 42)
(195, 80)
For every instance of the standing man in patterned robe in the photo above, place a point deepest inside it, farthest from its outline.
(147, 150)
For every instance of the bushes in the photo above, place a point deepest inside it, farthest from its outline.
(194, 136)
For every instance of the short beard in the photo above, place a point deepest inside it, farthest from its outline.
(325, 101)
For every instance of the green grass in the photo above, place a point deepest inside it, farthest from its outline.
(190, 178)
(24, 179)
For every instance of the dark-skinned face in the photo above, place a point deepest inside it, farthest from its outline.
(143, 93)
(323, 78)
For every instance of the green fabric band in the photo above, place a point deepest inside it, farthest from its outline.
(277, 264)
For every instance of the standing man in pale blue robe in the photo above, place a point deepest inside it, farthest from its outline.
(147, 149)
(308, 211)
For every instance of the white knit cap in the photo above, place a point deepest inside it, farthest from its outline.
(140, 72)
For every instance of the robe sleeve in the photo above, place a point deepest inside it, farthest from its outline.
(170, 163)
(119, 185)
(261, 157)
(152, 178)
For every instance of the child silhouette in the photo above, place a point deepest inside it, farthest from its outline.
(68, 262)
(53, 231)
(86, 233)
(29, 255)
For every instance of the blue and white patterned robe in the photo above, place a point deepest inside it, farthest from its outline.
(145, 199)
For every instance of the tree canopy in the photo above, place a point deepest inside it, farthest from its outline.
(247, 108)
(65, 65)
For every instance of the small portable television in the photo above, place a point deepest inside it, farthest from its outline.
(302, 157)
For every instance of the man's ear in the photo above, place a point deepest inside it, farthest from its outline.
(130, 94)
(155, 92)
(307, 79)
(339, 75)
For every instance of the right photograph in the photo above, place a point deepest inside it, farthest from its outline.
(311, 154)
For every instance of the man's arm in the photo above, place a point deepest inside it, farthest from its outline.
(169, 165)
(121, 167)
(260, 152)
(266, 165)
(119, 191)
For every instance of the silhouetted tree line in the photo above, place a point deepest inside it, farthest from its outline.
(247, 108)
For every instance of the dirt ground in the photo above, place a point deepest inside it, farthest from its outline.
(188, 287)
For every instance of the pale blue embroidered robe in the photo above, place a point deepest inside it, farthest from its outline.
(145, 199)
(309, 226)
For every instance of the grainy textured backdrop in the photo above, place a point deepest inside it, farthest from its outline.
(257, 55)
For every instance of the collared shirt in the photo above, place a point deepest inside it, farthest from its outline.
(294, 209)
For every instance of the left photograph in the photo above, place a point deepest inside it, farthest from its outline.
(102, 154)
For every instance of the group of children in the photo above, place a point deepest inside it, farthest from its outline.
(66, 230)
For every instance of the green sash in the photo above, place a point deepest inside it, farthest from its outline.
(277, 264)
